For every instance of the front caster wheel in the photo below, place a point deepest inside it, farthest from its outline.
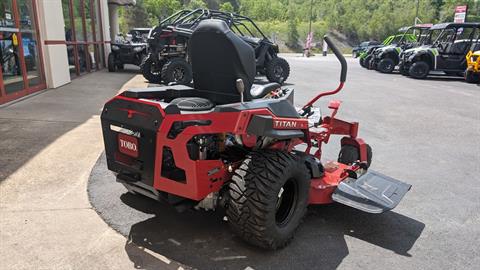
(268, 197)
(349, 154)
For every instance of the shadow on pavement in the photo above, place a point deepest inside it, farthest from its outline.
(30, 125)
(202, 240)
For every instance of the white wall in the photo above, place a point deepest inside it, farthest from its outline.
(51, 25)
(106, 26)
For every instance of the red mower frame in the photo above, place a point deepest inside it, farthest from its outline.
(203, 177)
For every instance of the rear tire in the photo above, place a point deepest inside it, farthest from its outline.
(177, 70)
(402, 70)
(277, 70)
(472, 77)
(362, 62)
(419, 70)
(386, 65)
(349, 154)
(366, 61)
(152, 69)
(111, 62)
(268, 198)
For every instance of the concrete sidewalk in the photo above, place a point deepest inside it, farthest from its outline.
(49, 143)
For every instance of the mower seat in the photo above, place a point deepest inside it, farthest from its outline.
(220, 57)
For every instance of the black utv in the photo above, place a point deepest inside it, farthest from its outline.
(385, 59)
(447, 53)
(168, 46)
(363, 47)
(131, 49)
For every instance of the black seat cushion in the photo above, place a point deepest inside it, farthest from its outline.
(193, 104)
(220, 57)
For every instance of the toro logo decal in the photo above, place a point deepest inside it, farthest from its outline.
(289, 124)
(128, 145)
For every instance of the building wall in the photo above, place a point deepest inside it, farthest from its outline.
(106, 26)
(50, 16)
(52, 36)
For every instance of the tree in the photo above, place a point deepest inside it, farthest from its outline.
(227, 7)
(134, 16)
(293, 36)
(160, 9)
(194, 4)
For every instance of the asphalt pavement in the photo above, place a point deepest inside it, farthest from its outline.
(423, 132)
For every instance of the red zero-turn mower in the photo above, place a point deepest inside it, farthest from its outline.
(228, 143)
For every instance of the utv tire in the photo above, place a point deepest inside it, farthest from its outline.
(349, 154)
(402, 70)
(366, 62)
(111, 63)
(277, 70)
(362, 62)
(386, 65)
(152, 70)
(268, 198)
(471, 77)
(419, 70)
(178, 71)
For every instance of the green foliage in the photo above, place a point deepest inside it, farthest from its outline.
(194, 4)
(292, 39)
(227, 7)
(160, 9)
(287, 20)
(134, 16)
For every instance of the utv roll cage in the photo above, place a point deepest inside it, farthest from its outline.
(413, 38)
(188, 19)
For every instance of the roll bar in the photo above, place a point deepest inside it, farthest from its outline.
(343, 75)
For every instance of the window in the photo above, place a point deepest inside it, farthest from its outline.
(83, 35)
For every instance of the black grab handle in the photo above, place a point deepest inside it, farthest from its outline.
(339, 55)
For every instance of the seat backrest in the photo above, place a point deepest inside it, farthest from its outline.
(219, 57)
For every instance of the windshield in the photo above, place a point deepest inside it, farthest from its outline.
(396, 39)
(456, 40)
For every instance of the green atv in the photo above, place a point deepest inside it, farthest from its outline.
(364, 56)
(385, 59)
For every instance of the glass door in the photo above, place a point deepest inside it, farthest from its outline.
(20, 53)
(83, 36)
(10, 53)
(29, 43)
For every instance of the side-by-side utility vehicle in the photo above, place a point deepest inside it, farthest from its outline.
(168, 59)
(128, 50)
(385, 59)
(447, 53)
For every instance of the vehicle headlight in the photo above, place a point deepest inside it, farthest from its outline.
(138, 49)
(115, 48)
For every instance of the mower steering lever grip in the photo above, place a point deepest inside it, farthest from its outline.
(339, 55)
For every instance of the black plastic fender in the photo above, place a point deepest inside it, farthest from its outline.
(262, 125)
